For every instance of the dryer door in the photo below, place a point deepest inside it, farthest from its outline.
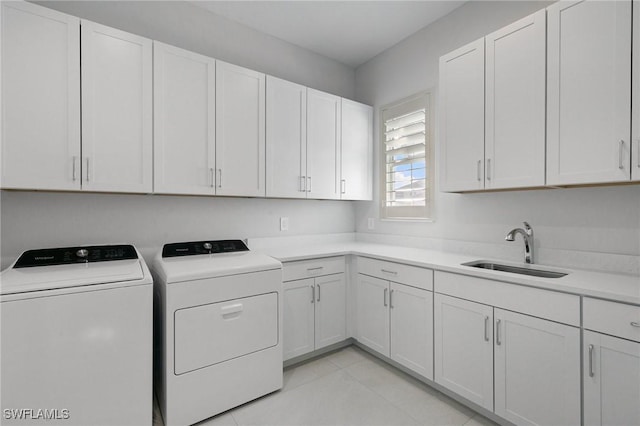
(210, 334)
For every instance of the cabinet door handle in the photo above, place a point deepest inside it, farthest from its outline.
(303, 182)
(478, 170)
(591, 372)
(638, 152)
(308, 183)
(498, 340)
(313, 293)
(488, 168)
(385, 297)
(343, 186)
(318, 299)
(486, 328)
(219, 178)
(73, 167)
(635, 323)
(386, 271)
(620, 156)
(391, 299)
(212, 177)
(87, 168)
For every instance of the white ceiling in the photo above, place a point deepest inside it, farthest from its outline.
(351, 32)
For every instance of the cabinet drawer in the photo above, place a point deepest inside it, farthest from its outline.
(396, 272)
(612, 318)
(552, 305)
(312, 268)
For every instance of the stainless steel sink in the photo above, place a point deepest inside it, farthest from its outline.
(515, 269)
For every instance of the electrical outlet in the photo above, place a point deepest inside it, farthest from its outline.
(371, 223)
(284, 223)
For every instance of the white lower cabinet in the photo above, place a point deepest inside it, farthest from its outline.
(314, 307)
(524, 368)
(395, 319)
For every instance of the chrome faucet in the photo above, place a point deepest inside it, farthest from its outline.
(527, 235)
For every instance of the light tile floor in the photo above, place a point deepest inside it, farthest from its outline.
(348, 387)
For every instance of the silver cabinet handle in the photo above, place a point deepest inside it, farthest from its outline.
(313, 293)
(486, 328)
(498, 340)
(386, 271)
(478, 171)
(591, 372)
(620, 156)
(317, 268)
(391, 299)
(385, 297)
(73, 167)
(212, 177)
(219, 178)
(308, 183)
(638, 150)
(87, 168)
(303, 181)
(318, 299)
(488, 168)
(343, 186)
(635, 323)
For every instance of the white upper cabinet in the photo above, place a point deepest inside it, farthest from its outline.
(588, 92)
(462, 118)
(515, 104)
(635, 96)
(323, 145)
(116, 110)
(240, 131)
(286, 139)
(184, 121)
(40, 98)
(356, 153)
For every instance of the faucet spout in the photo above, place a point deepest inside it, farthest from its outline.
(527, 236)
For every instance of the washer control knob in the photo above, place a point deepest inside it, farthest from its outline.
(207, 246)
(83, 253)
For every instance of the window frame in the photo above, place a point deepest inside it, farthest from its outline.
(409, 213)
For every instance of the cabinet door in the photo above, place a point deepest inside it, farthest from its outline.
(298, 318)
(183, 121)
(611, 380)
(372, 313)
(463, 348)
(588, 92)
(116, 110)
(40, 98)
(462, 118)
(286, 139)
(515, 104)
(323, 145)
(357, 143)
(331, 321)
(537, 370)
(635, 96)
(240, 115)
(411, 312)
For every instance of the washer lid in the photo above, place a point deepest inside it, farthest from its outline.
(189, 268)
(38, 278)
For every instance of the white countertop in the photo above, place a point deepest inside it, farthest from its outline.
(617, 287)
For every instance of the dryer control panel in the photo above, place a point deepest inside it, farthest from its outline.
(193, 248)
(70, 255)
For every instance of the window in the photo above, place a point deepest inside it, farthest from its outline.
(407, 158)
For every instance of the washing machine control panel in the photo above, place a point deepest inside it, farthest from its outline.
(70, 255)
(193, 248)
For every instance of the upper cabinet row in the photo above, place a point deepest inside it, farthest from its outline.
(121, 113)
(564, 72)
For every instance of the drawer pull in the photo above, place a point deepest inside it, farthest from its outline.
(391, 299)
(385, 297)
(389, 272)
(486, 328)
(591, 372)
(635, 324)
(315, 269)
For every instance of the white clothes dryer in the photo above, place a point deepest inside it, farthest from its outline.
(76, 337)
(218, 341)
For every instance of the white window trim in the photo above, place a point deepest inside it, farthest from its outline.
(427, 214)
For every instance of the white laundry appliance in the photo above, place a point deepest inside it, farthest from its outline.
(218, 342)
(76, 337)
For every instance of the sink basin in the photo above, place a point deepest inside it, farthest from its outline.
(515, 269)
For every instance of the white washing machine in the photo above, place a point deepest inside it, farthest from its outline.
(76, 337)
(218, 340)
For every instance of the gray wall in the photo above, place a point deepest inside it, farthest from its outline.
(605, 219)
(37, 220)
